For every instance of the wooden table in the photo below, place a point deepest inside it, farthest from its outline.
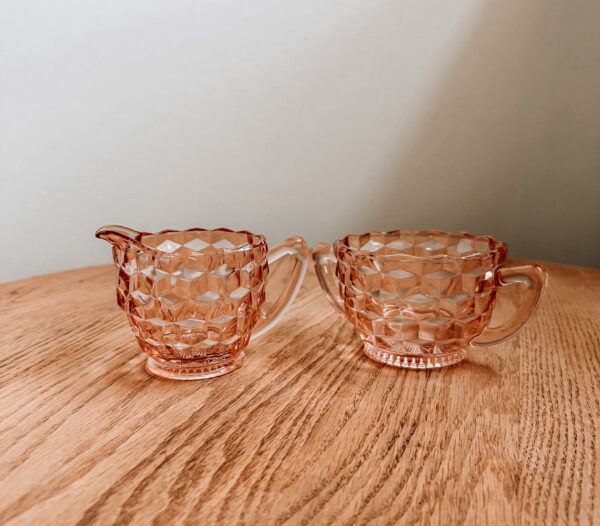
(308, 431)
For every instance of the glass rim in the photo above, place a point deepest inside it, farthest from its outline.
(254, 240)
(497, 249)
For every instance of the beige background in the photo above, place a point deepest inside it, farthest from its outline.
(317, 118)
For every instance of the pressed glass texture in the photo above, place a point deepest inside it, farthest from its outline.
(193, 298)
(420, 299)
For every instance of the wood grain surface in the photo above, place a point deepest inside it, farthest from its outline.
(309, 430)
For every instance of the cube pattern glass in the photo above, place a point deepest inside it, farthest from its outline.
(418, 299)
(192, 297)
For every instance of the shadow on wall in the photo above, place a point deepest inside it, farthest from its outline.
(514, 124)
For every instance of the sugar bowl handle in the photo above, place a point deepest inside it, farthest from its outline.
(325, 263)
(534, 278)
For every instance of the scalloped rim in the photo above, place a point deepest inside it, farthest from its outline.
(257, 239)
(496, 247)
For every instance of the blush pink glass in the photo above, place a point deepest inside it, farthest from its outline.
(195, 298)
(421, 299)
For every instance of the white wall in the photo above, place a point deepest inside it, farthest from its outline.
(312, 117)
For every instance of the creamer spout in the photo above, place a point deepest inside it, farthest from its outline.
(120, 236)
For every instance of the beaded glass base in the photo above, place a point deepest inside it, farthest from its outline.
(414, 360)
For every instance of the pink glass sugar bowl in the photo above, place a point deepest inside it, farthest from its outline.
(421, 299)
(195, 298)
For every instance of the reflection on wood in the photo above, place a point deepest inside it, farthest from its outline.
(308, 430)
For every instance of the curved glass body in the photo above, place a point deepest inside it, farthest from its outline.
(420, 299)
(194, 298)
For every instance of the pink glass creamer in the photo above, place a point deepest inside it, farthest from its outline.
(195, 298)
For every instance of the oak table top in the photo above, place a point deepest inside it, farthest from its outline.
(309, 430)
